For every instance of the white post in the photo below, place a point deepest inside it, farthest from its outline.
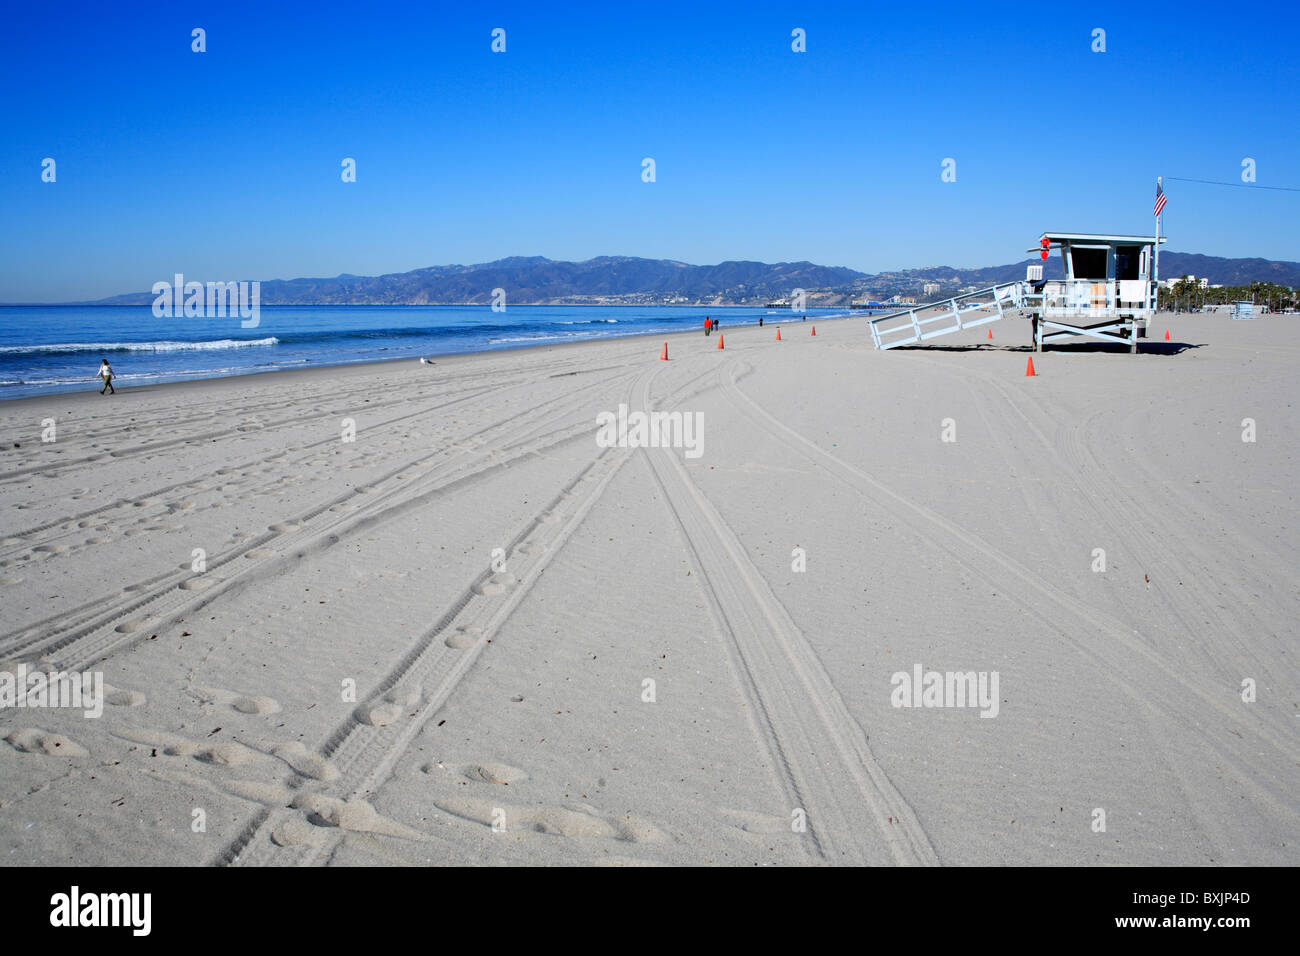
(1159, 185)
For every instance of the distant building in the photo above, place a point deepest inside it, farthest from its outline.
(930, 288)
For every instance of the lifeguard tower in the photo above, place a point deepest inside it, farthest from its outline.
(1108, 293)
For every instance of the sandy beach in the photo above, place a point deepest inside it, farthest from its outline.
(405, 614)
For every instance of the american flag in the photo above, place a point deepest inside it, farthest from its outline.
(1160, 198)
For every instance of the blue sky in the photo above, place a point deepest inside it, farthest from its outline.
(226, 164)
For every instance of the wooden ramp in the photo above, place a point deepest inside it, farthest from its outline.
(911, 326)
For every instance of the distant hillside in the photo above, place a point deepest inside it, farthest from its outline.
(538, 280)
(624, 280)
(1229, 271)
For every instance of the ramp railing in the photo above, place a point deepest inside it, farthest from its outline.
(917, 323)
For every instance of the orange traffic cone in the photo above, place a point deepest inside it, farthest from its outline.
(778, 335)
(814, 330)
(990, 333)
(663, 356)
(1030, 369)
(1166, 335)
(719, 340)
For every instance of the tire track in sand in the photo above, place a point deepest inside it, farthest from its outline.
(85, 641)
(363, 752)
(824, 762)
(1123, 656)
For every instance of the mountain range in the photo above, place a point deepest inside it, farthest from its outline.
(625, 280)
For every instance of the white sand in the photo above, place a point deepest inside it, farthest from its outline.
(515, 696)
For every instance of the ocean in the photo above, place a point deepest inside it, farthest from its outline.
(45, 349)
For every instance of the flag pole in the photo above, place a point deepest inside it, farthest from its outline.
(1159, 189)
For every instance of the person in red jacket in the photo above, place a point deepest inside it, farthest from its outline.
(708, 325)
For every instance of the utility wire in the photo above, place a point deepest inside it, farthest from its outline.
(1215, 182)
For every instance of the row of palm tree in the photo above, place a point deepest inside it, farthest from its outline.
(1186, 294)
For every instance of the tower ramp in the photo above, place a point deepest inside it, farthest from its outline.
(931, 320)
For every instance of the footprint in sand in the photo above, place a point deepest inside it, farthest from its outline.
(244, 703)
(396, 702)
(123, 698)
(33, 740)
(532, 547)
(498, 773)
(49, 548)
(576, 820)
(256, 705)
(497, 584)
(354, 815)
(194, 584)
(467, 635)
(173, 745)
(550, 517)
(229, 754)
(296, 831)
(305, 762)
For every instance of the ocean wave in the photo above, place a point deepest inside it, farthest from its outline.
(568, 336)
(72, 348)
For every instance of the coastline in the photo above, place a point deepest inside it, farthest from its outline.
(310, 372)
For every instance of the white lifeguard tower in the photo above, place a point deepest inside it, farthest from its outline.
(1108, 294)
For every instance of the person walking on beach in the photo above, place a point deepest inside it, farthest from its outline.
(708, 325)
(106, 373)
